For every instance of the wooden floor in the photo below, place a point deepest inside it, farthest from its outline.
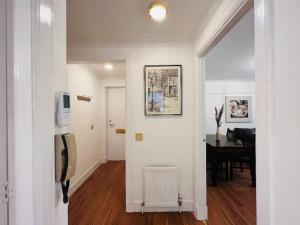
(101, 201)
(232, 202)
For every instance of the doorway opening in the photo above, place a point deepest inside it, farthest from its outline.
(99, 125)
(229, 115)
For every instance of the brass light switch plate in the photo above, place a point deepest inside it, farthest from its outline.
(138, 136)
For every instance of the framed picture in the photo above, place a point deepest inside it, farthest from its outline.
(163, 90)
(238, 109)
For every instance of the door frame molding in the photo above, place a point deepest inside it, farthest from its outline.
(10, 108)
(30, 121)
(106, 114)
(227, 15)
(4, 120)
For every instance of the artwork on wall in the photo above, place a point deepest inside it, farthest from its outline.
(163, 90)
(238, 109)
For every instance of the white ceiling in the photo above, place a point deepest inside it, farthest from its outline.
(233, 57)
(126, 21)
(119, 70)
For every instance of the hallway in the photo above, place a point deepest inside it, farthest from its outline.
(101, 201)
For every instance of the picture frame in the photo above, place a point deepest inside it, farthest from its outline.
(163, 89)
(238, 109)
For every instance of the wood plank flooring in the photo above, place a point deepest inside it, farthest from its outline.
(101, 201)
(232, 202)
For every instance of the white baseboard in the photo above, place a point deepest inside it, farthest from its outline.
(200, 214)
(136, 206)
(76, 184)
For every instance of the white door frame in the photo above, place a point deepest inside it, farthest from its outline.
(106, 114)
(30, 121)
(4, 208)
(264, 92)
(235, 10)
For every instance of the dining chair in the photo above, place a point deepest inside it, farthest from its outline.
(230, 135)
(247, 138)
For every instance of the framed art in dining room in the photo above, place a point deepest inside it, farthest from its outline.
(238, 109)
(163, 89)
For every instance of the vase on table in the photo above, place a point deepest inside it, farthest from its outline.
(218, 134)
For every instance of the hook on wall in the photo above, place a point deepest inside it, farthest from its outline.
(84, 98)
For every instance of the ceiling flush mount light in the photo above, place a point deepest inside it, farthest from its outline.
(108, 66)
(157, 10)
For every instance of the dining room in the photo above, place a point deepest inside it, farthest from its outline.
(230, 126)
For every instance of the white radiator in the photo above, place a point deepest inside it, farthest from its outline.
(161, 187)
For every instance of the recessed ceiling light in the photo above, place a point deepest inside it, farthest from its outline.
(108, 66)
(157, 10)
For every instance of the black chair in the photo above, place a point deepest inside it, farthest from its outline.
(246, 137)
(230, 135)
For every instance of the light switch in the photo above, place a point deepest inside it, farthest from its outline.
(138, 136)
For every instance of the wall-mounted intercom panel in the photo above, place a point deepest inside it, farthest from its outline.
(63, 114)
(65, 157)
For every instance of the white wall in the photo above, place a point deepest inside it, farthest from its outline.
(285, 155)
(85, 115)
(238, 43)
(91, 143)
(215, 93)
(168, 140)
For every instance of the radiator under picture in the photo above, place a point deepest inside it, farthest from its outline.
(161, 188)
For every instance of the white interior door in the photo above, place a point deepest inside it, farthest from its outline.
(116, 105)
(3, 121)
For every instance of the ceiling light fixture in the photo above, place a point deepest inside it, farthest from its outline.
(108, 66)
(157, 10)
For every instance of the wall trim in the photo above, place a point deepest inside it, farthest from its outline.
(83, 55)
(237, 9)
(245, 93)
(128, 44)
(129, 130)
(135, 206)
(265, 79)
(74, 186)
(229, 87)
(224, 19)
(198, 211)
(10, 8)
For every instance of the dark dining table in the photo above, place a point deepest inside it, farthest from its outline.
(216, 149)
